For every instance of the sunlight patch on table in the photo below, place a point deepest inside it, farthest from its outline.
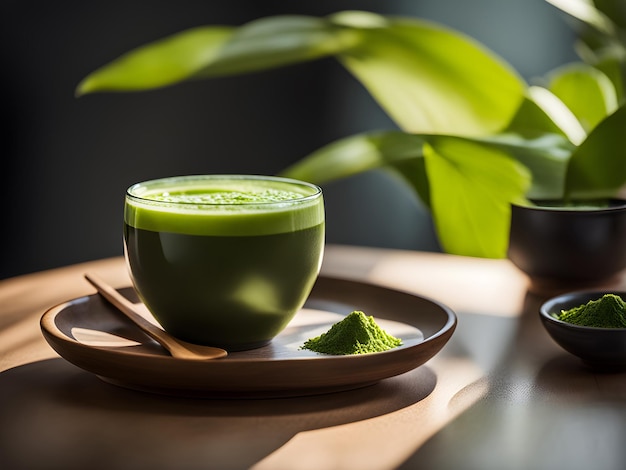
(471, 285)
(386, 441)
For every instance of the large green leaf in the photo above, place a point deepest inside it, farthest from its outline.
(217, 50)
(471, 189)
(598, 167)
(586, 91)
(430, 79)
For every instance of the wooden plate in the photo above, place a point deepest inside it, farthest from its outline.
(91, 334)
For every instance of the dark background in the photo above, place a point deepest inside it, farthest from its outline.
(66, 162)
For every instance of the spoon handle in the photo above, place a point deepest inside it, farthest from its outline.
(177, 348)
(128, 308)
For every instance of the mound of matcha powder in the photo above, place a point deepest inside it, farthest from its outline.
(355, 334)
(606, 312)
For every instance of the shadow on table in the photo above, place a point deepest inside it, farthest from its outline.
(543, 409)
(566, 376)
(51, 411)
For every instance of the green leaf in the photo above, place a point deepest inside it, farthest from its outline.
(217, 50)
(160, 63)
(471, 189)
(357, 154)
(614, 9)
(597, 168)
(612, 62)
(586, 91)
(431, 79)
(532, 120)
(585, 11)
(278, 41)
(563, 117)
(412, 172)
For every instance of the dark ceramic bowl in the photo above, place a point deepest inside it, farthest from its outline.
(575, 248)
(597, 347)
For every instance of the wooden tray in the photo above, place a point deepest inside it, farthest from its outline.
(91, 334)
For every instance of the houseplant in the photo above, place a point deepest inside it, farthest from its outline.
(473, 137)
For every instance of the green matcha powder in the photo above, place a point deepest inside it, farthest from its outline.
(355, 334)
(606, 312)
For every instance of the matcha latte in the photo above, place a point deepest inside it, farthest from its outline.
(224, 260)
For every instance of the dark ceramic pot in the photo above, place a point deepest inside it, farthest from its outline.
(568, 248)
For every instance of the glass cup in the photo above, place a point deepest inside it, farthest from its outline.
(224, 260)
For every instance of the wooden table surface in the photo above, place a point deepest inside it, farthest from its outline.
(500, 395)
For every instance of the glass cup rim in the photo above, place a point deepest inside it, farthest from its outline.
(166, 181)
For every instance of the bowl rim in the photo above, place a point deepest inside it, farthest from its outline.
(592, 294)
(616, 204)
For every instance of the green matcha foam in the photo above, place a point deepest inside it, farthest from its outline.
(224, 205)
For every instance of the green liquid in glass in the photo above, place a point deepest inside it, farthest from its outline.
(230, 274)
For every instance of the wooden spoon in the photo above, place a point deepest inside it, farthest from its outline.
(176, 347)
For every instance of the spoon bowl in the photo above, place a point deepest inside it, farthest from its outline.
(176, 347)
